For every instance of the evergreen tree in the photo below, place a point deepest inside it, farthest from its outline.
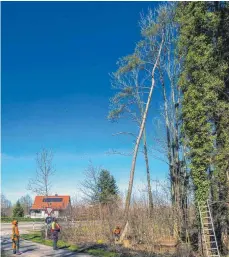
(107, 190)
(203, 46)
(220, 191)
(200, 75)
(18, 210)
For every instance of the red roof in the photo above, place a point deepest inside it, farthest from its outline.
(57, 202)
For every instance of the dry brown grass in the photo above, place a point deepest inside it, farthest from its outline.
(94, 224)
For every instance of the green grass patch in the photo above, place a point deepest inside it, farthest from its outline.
(20, 219)
(37, 238)
(73, 248)
(31, 236)
(62, 244)
(102, 253)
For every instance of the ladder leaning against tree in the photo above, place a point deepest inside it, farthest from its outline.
(208, 231)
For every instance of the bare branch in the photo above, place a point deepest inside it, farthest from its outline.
(125, 133)
(112, 151)
(41, 184)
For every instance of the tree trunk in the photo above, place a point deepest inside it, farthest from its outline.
(124, 232)
(174, 163)
(135, 153)
(150, 195)
(169, 145)
(145, 151)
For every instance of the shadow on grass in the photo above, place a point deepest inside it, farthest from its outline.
(116, 251)
(93, 249)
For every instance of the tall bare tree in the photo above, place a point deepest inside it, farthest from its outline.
(42, 184)
(6, 206)
(89, 185)
(169, 70)
(130, 98)
(26, 203)
(158, 48)
(148, 56)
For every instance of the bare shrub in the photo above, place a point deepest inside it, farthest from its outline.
(184, 250)
(147, 232)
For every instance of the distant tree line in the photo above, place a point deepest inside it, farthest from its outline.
(20, 209)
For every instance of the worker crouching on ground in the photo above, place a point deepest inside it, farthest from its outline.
(15, 237)
(117, 233)
(55, 230)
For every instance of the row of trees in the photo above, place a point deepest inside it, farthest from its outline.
(5, 206)
(184, 53)
(20, 209)
(153, 63)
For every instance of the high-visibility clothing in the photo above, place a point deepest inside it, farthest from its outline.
(15, 236)
(15, 230)
(117, 231)
(55, 226)
(55, 230)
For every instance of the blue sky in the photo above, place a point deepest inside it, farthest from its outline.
(56, 60)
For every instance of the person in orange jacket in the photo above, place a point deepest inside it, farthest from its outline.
(15, 237)
(117, 232)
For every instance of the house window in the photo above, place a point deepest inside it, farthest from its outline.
(52, 200)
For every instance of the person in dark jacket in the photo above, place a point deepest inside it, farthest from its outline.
(55, 230)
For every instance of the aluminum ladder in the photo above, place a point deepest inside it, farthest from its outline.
(208, 231)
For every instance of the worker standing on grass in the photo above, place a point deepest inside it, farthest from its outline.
(55, 230)
(117, 232)
(15, 237)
